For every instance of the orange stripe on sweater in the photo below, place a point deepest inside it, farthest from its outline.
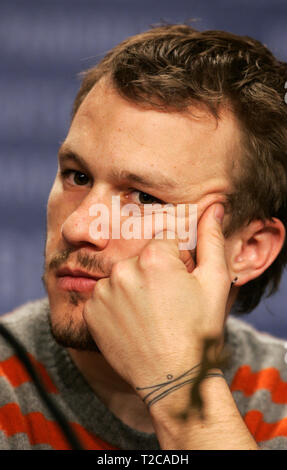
(40, 430)
(249, 382)
(15, 372)
(263, 431)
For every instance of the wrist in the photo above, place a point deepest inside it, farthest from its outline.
(220, 426)
(185, 398)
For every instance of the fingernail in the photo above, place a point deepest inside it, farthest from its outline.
(219, 213)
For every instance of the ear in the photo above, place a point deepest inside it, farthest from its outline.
(252, 249)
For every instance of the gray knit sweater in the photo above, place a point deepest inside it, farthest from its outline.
(257, 376)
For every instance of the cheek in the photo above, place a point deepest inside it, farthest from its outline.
(53, 215)
(123, 249)
(59, 206)
(129, 246)
(58, 209)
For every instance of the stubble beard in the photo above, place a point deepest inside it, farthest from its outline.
(71, 332)
(67, 325)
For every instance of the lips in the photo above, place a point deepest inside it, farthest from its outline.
(75, 279)
(66, 271)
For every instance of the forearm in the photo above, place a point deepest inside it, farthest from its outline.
(221, 428)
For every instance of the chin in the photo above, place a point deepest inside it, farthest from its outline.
(66, 320)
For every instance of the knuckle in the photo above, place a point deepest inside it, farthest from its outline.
(119, 271)
(152, 256)
(100, 287)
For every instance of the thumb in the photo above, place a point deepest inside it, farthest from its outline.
(210, 246)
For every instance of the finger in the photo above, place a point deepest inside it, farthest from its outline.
(167, 243)
(210, 245)
(124, 271)
(101, 288)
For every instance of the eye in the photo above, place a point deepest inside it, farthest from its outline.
(145, 198)
(77, 177)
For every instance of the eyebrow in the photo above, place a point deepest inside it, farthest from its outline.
(149, 180)
(66, 153)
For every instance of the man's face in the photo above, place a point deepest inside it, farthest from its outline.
(117, 148)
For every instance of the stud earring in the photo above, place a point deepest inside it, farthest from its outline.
(234, 281)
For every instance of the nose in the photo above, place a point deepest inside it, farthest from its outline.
(89, 223)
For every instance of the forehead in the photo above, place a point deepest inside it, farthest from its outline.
(193, 146)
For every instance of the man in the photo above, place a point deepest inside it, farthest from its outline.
(171, 116)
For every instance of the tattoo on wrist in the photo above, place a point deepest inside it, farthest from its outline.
(161, 390)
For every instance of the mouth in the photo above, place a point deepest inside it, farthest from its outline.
(76, 280)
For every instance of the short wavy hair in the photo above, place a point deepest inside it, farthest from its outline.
(173, 67)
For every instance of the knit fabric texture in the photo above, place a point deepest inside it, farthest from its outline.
(256, 375)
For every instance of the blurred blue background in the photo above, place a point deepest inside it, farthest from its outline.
(44, 45)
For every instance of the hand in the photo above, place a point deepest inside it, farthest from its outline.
(149, 319)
